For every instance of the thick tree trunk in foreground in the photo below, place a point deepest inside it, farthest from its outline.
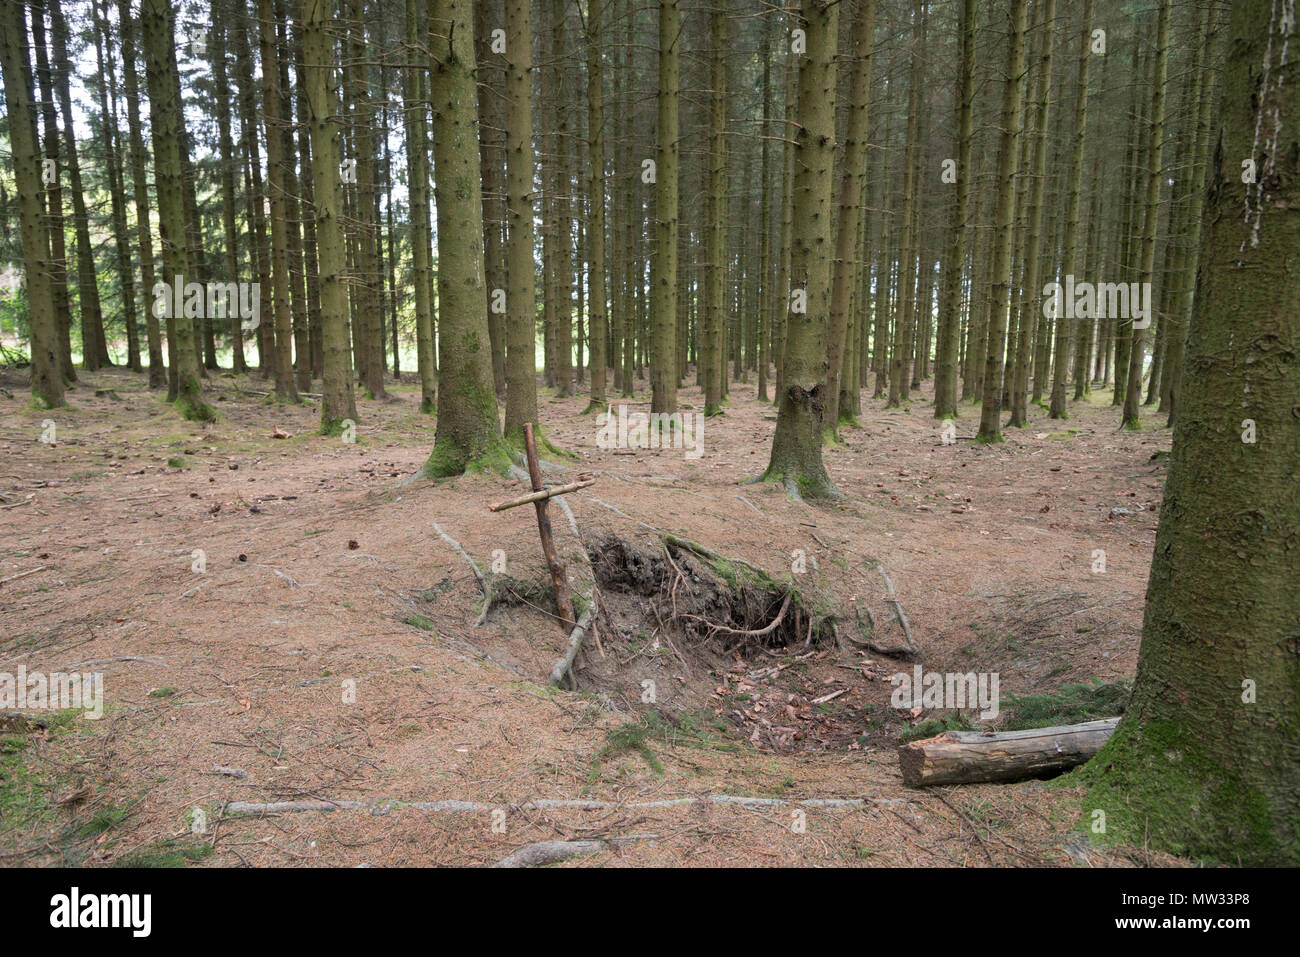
(338, 401)
(1207, 759)
(972, 757)
(797, 445)
(164, 111)
(47, 374)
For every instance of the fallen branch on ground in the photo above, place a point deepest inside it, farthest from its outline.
(575, 642)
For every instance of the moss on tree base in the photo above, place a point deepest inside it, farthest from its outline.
(1158, 787)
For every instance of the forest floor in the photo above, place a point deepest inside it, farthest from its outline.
(229, 680)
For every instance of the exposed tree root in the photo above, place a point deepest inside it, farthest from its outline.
(484, 585)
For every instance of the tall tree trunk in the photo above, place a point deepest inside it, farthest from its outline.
(1074, 190)
(945, 379)
(521, 335)
(140, 189)
(1204, 761)
(852, 176)
(663, 268)
(488, 17)
(305, 184)
(255, 197)
(285, 387)
(116, 188)
(368, 292)
(1030, 301)
(467, 435)
(1154, 174)
(763, 325)
(1201, 160)
(94, 345)
(596, 207)
(417, 178)
(1004, 221)
(784, 283)
(293, 208)
(900, 359)
(15, 62)
(229, 162)
(797, 446)
(713, 362)
(164, 112)
(337, 399)
(54, 224)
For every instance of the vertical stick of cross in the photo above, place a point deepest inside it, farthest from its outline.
(539, 498)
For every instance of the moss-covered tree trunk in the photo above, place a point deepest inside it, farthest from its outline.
(164, 114)
(468, 430)
(999, 279)
(797, 445)
(852, 174)
(1206, 760)
(337, 399)
(47, 374)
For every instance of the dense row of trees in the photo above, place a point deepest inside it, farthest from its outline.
(859, 197)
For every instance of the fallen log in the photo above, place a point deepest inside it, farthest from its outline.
(973, 757)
